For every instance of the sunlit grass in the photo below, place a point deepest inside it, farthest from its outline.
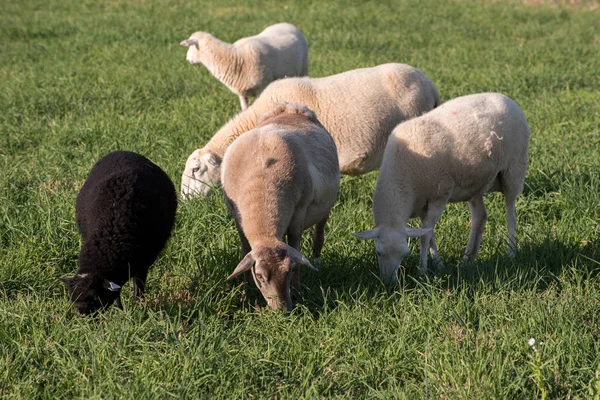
(79, 79)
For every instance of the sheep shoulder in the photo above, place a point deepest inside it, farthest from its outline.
(289, 89)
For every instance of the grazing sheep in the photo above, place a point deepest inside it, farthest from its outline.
(466, 147)
(247, 66)
(125, 212)
(359, 108)
(279, 179)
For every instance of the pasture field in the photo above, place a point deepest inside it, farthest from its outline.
(79, 79)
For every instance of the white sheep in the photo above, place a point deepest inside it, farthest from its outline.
(280, 179)
(247, 66)
(359, 108)
(466, 147)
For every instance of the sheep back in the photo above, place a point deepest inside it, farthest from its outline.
(359, 108)
(278, 51)
(460, 147)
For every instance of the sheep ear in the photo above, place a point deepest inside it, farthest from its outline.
(214, 160)
(299, 259)
(113, 287)
(189, 42)
(372, 234)
(244, 265)
(418, 232)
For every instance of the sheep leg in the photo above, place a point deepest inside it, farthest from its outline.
(139, 286)
(243, 102)
(294, 239)
(478, 220)
(433, 251)
(432, 215)
(318, 240)
(512, 187)
(244, 250)
(511, 221)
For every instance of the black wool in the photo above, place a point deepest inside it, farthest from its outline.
(125, 212)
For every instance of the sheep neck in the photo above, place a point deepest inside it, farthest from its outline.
(241, 123)
(393, 202)
(223, 60)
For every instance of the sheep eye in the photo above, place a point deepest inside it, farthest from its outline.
(379, 253)
(260, 277)
(195, 170)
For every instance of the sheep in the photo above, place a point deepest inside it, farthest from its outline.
(125, 211)
(359, 108)
(466, 147)
(279, 179)
(247, 66)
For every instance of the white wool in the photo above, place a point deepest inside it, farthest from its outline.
(359, 108)
(247, 66)
(456, 153)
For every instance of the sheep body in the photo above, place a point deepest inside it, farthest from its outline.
(247, 66)
(359, 108)
(279, 179)
(466, 147)
(125, 211)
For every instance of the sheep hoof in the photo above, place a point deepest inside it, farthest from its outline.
(438, 266)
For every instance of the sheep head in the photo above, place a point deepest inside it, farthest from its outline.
(202, 172)
(391, 247)
(272, 269)
(91, 293)
(194, 43)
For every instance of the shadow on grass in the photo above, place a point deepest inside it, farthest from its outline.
(343, 279)
(535, 267)
(204, 290)
(540, 182)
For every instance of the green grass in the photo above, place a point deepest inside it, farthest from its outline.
(81, 78)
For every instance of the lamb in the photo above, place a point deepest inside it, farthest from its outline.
(359, 108)
(125, 212)
(467, 147)
(247, 66)
(279, 179)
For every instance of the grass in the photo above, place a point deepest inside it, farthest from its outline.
(79, 79)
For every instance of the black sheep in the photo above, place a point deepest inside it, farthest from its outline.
(125, 212)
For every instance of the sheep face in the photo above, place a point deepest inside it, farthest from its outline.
(272, 274)
(202, 173)
(273, 269)
(193, 44)
(391, 248)
(91, 293)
